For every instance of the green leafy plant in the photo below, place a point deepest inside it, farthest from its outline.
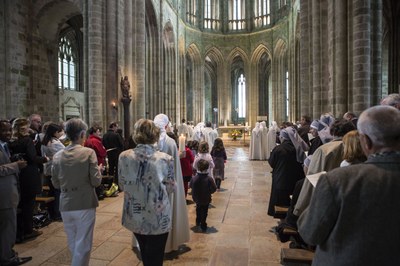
(234, 134)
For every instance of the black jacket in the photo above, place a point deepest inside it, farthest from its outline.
(202, 186)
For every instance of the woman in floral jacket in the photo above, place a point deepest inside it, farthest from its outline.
(147, 178)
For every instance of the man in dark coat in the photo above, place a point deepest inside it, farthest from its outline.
(114, 145)
(354, 217)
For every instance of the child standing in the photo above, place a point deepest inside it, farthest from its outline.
(186, 166)
(204, 153)
(203, 186)
(218, 154)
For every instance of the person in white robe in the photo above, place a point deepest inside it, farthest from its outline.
(210, 135)
(198, 132)
(264, 139)
(179, 233)
(255, 144)
(271, 142)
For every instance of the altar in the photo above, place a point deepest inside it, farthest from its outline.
(223, 132)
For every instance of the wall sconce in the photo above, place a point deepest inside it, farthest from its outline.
(114, 106)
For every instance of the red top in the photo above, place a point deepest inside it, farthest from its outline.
(94, 142)
(186, 163)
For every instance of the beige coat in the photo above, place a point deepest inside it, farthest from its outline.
(76, 174)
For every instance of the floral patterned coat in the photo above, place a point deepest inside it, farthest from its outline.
(147, 178)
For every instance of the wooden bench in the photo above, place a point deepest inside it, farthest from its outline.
(280, 212)
(44, 200)
(294, 256)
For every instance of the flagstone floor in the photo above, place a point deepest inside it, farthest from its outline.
(238, 221)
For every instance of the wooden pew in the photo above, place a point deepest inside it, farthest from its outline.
(293, 256)
(44, 200)
(280, 212)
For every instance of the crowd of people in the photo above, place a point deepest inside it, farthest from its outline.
(73, 160)
(341, 187)
(356, 162)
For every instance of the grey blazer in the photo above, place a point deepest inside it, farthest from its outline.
(9, 196)
(354, 215)
(76, 174)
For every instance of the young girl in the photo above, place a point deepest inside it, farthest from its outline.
(218, 154)
(204, 153)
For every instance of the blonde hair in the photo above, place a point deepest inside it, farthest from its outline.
(145, 132)
(352, 151)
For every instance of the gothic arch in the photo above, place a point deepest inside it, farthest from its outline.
(281, 100)
(260, 83)
(153, 63)
(170, 95)
(51, 15)
(193, 83)
(217, 79)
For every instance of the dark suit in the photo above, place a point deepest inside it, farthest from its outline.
(9, 198)
(112, 140)
(354, 214)
(30, 183)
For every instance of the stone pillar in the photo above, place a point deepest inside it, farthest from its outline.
(306, 66)
(139, 59)
(316, 58)
(361, 54)
(111, 61)
(338, 55)
(94, 49)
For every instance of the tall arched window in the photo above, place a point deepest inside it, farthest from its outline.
(241, 97)
(191, 9)
(67, 62)
(262, 13)
(237, 15)
(211, 14)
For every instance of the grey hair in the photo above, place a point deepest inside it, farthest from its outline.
(381, 124)
(74, 127)
(392, 100)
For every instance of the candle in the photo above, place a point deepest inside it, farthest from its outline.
(182, 140)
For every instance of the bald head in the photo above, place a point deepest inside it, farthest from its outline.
(380, 126)
(392, 100)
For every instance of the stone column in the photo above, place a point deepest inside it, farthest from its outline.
(94, 50)
(305, 54)
(361, 54)
(338, 55)
(112, 79)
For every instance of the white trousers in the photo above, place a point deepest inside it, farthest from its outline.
(79, 226)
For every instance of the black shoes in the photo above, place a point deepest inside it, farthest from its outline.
(27, 237)
(18, 261)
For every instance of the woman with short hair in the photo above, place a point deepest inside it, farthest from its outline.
(146, 176)
(76, 173)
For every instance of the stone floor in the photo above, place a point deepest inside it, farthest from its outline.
(238, 233)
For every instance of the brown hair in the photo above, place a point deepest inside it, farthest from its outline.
(203, 147)
(16, 126)
(145, 132)
(218, 145)
(352, 151)
(202, 165)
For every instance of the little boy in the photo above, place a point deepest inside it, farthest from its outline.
(203, 185)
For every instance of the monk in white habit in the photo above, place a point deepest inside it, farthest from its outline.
(210, 135)
(264, 139)
(271, 143)
(255, 144)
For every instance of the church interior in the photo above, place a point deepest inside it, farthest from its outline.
(230, 62)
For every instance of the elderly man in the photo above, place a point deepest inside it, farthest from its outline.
(349, 116)
(353, 217)
(392, 100)
(180, 224)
